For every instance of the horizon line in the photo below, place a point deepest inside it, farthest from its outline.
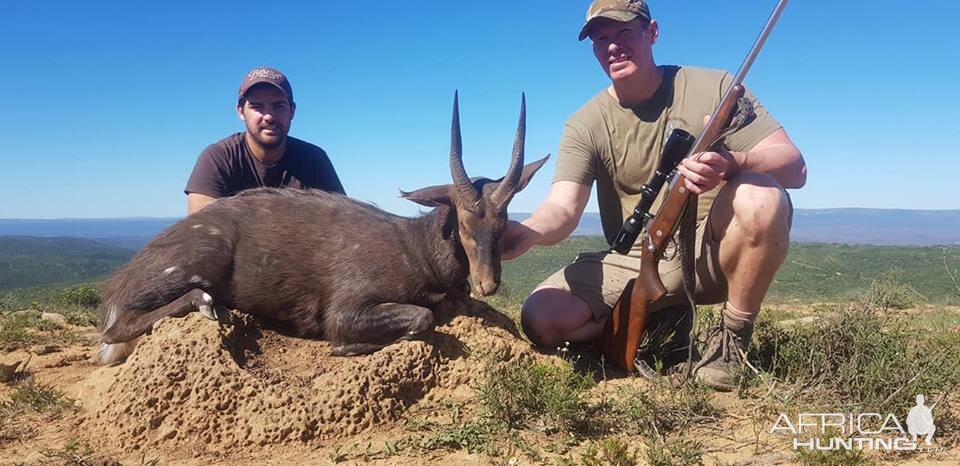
(147, 217)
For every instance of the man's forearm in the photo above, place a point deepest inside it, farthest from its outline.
(197, 201)
(790, 171)
(553, 222)
(776, 156)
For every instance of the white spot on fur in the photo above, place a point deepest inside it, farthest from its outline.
(196, 279)
(199, 225)
(214, 231)
(169, 270)
(116, 353)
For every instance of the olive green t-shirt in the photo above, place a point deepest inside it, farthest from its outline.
(619, 147)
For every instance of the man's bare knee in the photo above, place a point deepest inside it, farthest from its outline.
(535, 316)
(550, 314)
(533, 329)
(761, 208)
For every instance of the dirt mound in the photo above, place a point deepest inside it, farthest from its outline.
(239, 383)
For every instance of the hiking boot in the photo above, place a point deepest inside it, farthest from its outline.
(722, 363)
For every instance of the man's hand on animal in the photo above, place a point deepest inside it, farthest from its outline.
(553, 221)
(517, 240)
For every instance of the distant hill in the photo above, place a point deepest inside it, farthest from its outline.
(885, 227)
(812, 271)
(880, 227)
(31, 261)
(130, 233)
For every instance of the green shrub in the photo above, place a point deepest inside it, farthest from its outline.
(81, 295)
(522, 393)
(16, 329)
(673, 452)
(858, 357)
(890, 291)
(8, 302)
(659, 409)
(38, 397)
(22, 329)
(74, 453)
(474, 437)
(612, 452)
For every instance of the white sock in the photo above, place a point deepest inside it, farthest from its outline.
(735, 319)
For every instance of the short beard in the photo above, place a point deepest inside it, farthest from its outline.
(271, 144)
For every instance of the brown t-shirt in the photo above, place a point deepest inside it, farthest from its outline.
(228, 167)
(619, 148)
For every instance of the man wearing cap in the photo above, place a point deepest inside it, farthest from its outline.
(615, 140)
(263, 155)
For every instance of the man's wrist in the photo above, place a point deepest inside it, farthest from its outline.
(534, 230)
(737, 161)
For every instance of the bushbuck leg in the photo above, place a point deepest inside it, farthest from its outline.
(382, 325)
(133, 323)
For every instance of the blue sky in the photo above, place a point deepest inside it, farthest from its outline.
(108, 104)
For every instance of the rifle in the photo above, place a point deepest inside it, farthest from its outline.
(624, 329)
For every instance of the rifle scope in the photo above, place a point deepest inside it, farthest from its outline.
(678, 145)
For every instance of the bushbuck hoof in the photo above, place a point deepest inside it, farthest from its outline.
(355, 349)
(420, 327)
(206, 308)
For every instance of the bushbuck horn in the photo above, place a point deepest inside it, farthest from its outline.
(465, 190)
(505, 191)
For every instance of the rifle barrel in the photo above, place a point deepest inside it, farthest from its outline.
(758, 45)
(718, 121)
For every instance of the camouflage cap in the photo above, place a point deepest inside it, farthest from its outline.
(265, 74)
(617, 10)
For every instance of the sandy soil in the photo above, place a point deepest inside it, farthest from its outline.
(199, 392)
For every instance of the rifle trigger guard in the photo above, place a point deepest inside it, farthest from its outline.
(672, 241)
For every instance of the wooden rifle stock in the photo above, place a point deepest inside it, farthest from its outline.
(624, 329)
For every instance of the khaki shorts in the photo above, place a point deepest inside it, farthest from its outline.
(600, 277)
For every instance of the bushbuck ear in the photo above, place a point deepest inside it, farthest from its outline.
(434, 196)
(528, 171)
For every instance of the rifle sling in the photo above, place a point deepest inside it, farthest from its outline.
(687, 234)
(687, 247)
